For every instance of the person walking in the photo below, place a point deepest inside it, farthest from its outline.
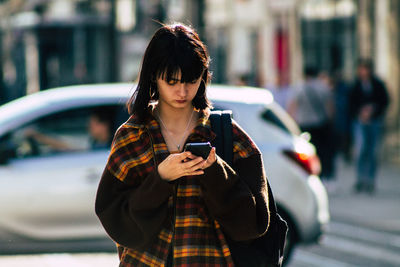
(164, 206)
(282, 91)
(312, 108)
(342, 118)
(369, 100)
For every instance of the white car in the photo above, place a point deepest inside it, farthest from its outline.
(47, 196)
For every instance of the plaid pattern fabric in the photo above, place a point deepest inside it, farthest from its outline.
(195, 238)
(243, 146)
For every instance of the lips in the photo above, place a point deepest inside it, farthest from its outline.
(181, 101)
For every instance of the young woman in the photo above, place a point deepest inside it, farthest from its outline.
(164, 206)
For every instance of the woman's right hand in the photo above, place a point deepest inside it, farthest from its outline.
(177, 165)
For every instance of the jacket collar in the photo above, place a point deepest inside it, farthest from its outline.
(201, 131)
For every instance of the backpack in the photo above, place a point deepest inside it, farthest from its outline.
(266, 250)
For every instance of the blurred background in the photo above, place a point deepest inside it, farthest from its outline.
(51, 43)
(263, 43)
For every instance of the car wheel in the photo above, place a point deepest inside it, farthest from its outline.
(291, 237)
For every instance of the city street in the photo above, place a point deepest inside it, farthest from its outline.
(364, 231)
(77, 78)
(346, 245)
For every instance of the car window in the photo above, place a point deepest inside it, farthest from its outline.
(280, 119)
(269, 115)
(69, 131)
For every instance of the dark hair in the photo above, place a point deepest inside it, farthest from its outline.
(310, 71)
(172, 49)
(104, 114)
(366, 63)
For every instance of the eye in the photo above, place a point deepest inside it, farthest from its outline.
(172, 82)
(194, 81)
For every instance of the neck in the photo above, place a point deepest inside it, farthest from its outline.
(177, 117)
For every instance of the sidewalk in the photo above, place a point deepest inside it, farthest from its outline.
(380, 211)
(61, 260)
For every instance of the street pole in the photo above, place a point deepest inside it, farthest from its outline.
(2, 87)
(113, 69)
(201, 21)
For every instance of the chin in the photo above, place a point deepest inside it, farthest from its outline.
(181, 105)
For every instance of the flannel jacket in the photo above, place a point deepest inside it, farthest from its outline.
(187, 220)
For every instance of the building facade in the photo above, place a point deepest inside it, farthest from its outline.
(262, 42)
(48, 43)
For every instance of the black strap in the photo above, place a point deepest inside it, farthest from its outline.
(221, 124)
(266, 250)
(216, 127)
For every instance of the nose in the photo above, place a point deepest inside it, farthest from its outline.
(182, 90)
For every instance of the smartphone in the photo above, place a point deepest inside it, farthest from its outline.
(199, 149)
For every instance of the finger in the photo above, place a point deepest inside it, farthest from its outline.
(193, 162)
(211, 159)
(193, 166)
(192, 157)
(199, 165)
(212, 156)
(213, 151)
(184, 155)
(198, 172)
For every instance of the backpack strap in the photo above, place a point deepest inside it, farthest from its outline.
(266, 250)
(221, 125)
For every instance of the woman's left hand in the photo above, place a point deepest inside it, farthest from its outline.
(212, 157)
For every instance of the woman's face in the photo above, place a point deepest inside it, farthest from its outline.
(176, 94)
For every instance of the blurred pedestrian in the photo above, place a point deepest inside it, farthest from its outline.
(167, 207)
(369, 100)
(312, 108)
(281, 90)
(342, 117)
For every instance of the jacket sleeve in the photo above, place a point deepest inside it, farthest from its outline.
(382, 101)
(132, 213)
(237, 196)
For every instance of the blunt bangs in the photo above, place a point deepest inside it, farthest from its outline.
(180, 57)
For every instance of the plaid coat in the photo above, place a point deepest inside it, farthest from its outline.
(187, 220)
